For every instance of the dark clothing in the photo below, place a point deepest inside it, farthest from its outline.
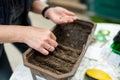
(21, 47)
(14, 9)
(17, 17)
(1, 49)
(5, 69)
(12, 12)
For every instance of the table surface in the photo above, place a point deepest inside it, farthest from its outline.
(95, 57)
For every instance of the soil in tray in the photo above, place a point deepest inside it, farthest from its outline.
(71, 38)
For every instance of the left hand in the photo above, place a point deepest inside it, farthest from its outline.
(60, 15)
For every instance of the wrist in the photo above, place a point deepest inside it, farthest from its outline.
(25, 36)
(21, 33)
(44, 11)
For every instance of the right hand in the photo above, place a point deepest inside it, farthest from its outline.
(40, 39)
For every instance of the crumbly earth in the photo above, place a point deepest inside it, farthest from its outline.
(71, 38)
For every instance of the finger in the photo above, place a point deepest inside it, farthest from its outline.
(53, 43)
(43, 51)
(69, 13)
(49, 47)
(62, 19)
(53, 36)
(70, 18)
(74, 17)
(67, 19)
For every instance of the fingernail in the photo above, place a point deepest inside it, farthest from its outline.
(46, 53)
(56, 44)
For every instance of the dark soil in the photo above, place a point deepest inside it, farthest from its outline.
(71, 38)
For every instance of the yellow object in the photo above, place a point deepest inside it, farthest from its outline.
(98, 74)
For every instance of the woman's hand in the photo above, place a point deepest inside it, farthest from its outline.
(40, 39)
(60, 15)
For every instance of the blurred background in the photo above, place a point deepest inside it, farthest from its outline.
(98, 11)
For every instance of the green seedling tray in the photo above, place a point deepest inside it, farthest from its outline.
(116, 48)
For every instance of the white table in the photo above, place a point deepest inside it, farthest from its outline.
(95, 57)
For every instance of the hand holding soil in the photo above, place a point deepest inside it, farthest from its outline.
(60, 15)
(71, 38)
(40, 39)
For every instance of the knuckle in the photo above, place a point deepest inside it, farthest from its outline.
(42, 44)
(49, 32)
(45, 52)
(42, 51)
(37, 47)
(45, 39)
(52, 48)
(56, 44)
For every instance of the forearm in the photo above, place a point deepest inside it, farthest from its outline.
(11, 33)
(38, 6)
